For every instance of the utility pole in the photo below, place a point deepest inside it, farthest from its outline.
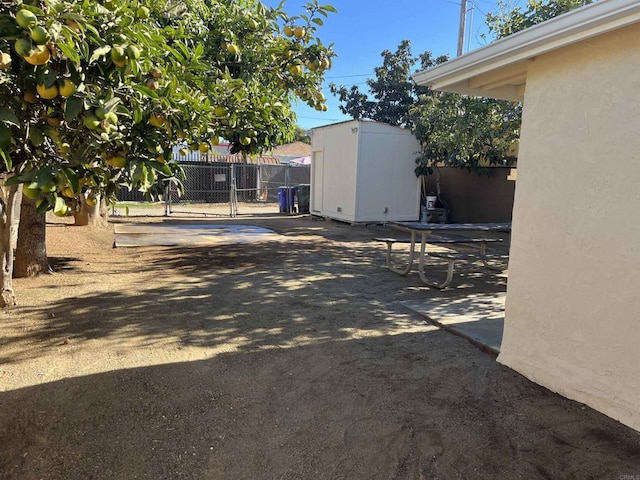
(463, 21)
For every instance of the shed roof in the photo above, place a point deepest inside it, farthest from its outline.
(499, 70)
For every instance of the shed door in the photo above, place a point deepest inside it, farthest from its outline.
(317, 180)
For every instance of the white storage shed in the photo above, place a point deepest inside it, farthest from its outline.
(363, 171)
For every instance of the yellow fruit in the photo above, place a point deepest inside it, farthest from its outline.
(295, 69)
(121, 63)
(68, 192)
(39, 35)
(156, 73)
(65, 148)
(39, 56)
(26, 19)
(111, 117)
(313, 65)
(253, 24)
(143, 12)
(183, 152)
(91, 201)
(117, 161)
(288, 31)
(66, 88)
(133, 52)
(300, 32)
(325, 63)
(91, 122)
(60, 209)
(233, 49)
(220, 111)
(31, 192)
(118, 54)
(5, 61)
(245, 140)
(48, 93)
(203, 147)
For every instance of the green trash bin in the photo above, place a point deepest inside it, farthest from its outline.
(304, 195)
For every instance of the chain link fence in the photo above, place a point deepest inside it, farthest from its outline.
(223, 188)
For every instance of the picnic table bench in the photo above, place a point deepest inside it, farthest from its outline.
(452, 258)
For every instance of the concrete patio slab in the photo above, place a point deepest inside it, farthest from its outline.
(477, 317)
(195, 234)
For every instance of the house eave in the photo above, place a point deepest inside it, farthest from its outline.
(499, 69)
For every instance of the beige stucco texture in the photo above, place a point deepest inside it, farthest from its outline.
(573, 301)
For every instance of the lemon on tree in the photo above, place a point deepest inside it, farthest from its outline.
(40, 55)
(288, 31)
(26, 19)
(39, 35)
(48, 93)
(299, 32)
(66, 88)
(143, 12)
(295, 69)
(117, 161)
(91, 122)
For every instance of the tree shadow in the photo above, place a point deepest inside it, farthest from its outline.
(405, 406)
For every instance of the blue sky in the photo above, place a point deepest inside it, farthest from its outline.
(362, 29)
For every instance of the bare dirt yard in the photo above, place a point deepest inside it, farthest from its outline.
(289, 359)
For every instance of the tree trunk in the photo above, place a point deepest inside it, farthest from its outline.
(10, 199)
(92, 215)
(31, 252)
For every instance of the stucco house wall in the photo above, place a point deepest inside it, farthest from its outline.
(573, 305)
(572, 318)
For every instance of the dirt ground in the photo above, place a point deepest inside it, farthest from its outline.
(292, 359)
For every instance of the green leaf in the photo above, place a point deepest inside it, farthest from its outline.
(7, 116)
(36, 136)
(42, 207)
(69, 50)
(7, 160)
(5, 137)
(328, 8)
(318, 21)
(72, 108)
(145, 91)
(73, 179)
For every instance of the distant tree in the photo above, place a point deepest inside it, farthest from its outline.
(454, 130)
(302, 135)
(508, 19)
(392, 92)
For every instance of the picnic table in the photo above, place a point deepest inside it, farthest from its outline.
(424, 230)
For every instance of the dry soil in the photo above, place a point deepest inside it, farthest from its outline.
(291, 359)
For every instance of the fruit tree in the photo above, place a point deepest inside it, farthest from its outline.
(94, 95)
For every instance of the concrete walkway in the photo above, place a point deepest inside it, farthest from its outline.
(477, 317)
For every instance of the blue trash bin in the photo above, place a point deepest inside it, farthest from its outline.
(287, 199)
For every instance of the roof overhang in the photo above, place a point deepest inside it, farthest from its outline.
(499, 70)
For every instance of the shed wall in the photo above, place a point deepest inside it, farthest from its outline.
(363, 172)
(573, 306)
